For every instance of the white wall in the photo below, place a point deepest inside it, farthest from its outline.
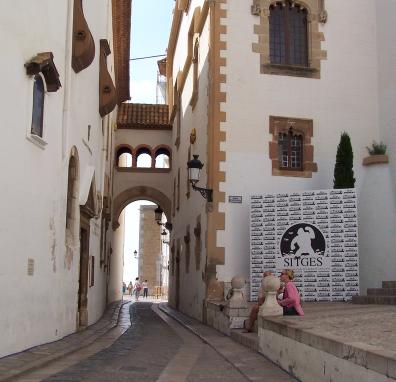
(192, 287)
(41, 308)
(344, 99)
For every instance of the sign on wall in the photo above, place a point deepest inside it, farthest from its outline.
(315, 233)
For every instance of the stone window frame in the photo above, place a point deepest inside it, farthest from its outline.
(301, 126)
(315, 11)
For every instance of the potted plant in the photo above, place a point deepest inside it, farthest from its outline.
(377, 154)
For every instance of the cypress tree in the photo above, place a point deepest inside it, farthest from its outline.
(343, 170)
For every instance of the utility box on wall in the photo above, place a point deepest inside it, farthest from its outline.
(315, 233)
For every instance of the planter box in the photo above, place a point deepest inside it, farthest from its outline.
(375, 159)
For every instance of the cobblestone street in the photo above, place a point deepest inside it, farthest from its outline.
(148, 345)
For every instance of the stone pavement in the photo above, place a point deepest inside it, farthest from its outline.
(148, 345)
(16, 365)
(252, 365)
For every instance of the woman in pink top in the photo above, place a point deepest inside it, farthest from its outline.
(291, 301)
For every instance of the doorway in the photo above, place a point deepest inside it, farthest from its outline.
(82, 313)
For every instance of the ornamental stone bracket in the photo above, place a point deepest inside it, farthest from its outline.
(107, 90)
(44, 63)
(83, 46)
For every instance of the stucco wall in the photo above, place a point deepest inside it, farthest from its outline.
(345, 98)
(41, 308)
(192, 288)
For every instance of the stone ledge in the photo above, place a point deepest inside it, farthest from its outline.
(375, 159)
(370, 357)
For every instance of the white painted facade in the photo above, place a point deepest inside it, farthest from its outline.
(43, 307)
(356, 93)
(192, 287)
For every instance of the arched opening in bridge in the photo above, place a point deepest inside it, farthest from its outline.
(124, 157)
(162, 158)
(144, 251)
(143, 157)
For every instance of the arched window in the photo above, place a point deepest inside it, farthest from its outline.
(288, 34)
(143, 157)
(290, 146)
(162, 158)
(124, 157)
(38, 106)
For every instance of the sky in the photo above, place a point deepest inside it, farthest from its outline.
(150, 27)
(151, 22)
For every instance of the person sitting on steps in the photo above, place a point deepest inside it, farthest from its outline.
(249, 324)
(291, 301)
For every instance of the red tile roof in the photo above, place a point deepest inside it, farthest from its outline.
(143, 116)
(121, 13)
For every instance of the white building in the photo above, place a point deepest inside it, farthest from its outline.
(240, 75)
(65, 67)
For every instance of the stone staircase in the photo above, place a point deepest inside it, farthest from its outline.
(382, 296)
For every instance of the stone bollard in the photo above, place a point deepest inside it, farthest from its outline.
(237, 299)
(237, 309)
(271, 307)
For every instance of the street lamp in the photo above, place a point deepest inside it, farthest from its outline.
(135, 254)
(158, 218)
(194, 167)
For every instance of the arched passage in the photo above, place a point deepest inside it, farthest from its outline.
(139, 193)
(120, 219)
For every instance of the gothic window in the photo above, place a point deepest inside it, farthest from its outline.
(290, 146)
(38, 106)
(291, 150)
(288, 34)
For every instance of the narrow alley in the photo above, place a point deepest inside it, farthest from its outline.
(147, 344)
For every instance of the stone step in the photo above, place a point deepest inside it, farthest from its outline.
(380, 300)
(381, 292)
(389, 284)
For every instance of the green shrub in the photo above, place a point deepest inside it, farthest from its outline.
(343, 169)
(377, 148)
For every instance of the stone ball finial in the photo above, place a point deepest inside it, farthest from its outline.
(238, 282)
(271, 283)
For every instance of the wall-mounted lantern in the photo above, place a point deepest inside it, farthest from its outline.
(158, 218)
(194, 167)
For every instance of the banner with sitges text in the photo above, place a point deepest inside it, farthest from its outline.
(315, 233)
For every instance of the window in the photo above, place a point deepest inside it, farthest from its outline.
(288, 34)
(38, 106)
(290, 150)
(288, 37)
(124, 157)
(143, 157)
(162, 158)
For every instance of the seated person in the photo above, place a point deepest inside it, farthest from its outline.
(290, 301)
(249, 324)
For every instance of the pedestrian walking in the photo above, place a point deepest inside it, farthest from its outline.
(123, 288)
(130, 287)
(145, 288)
(137, 287)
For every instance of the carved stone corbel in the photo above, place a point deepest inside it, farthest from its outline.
(256, 8)
(44, 63)
(83, 47)
(322, 12)
(107, 90)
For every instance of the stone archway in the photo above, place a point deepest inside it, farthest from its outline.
(140, 193)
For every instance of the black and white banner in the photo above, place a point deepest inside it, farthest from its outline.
(315, 233)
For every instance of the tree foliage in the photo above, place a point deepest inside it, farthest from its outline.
(343, 170)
